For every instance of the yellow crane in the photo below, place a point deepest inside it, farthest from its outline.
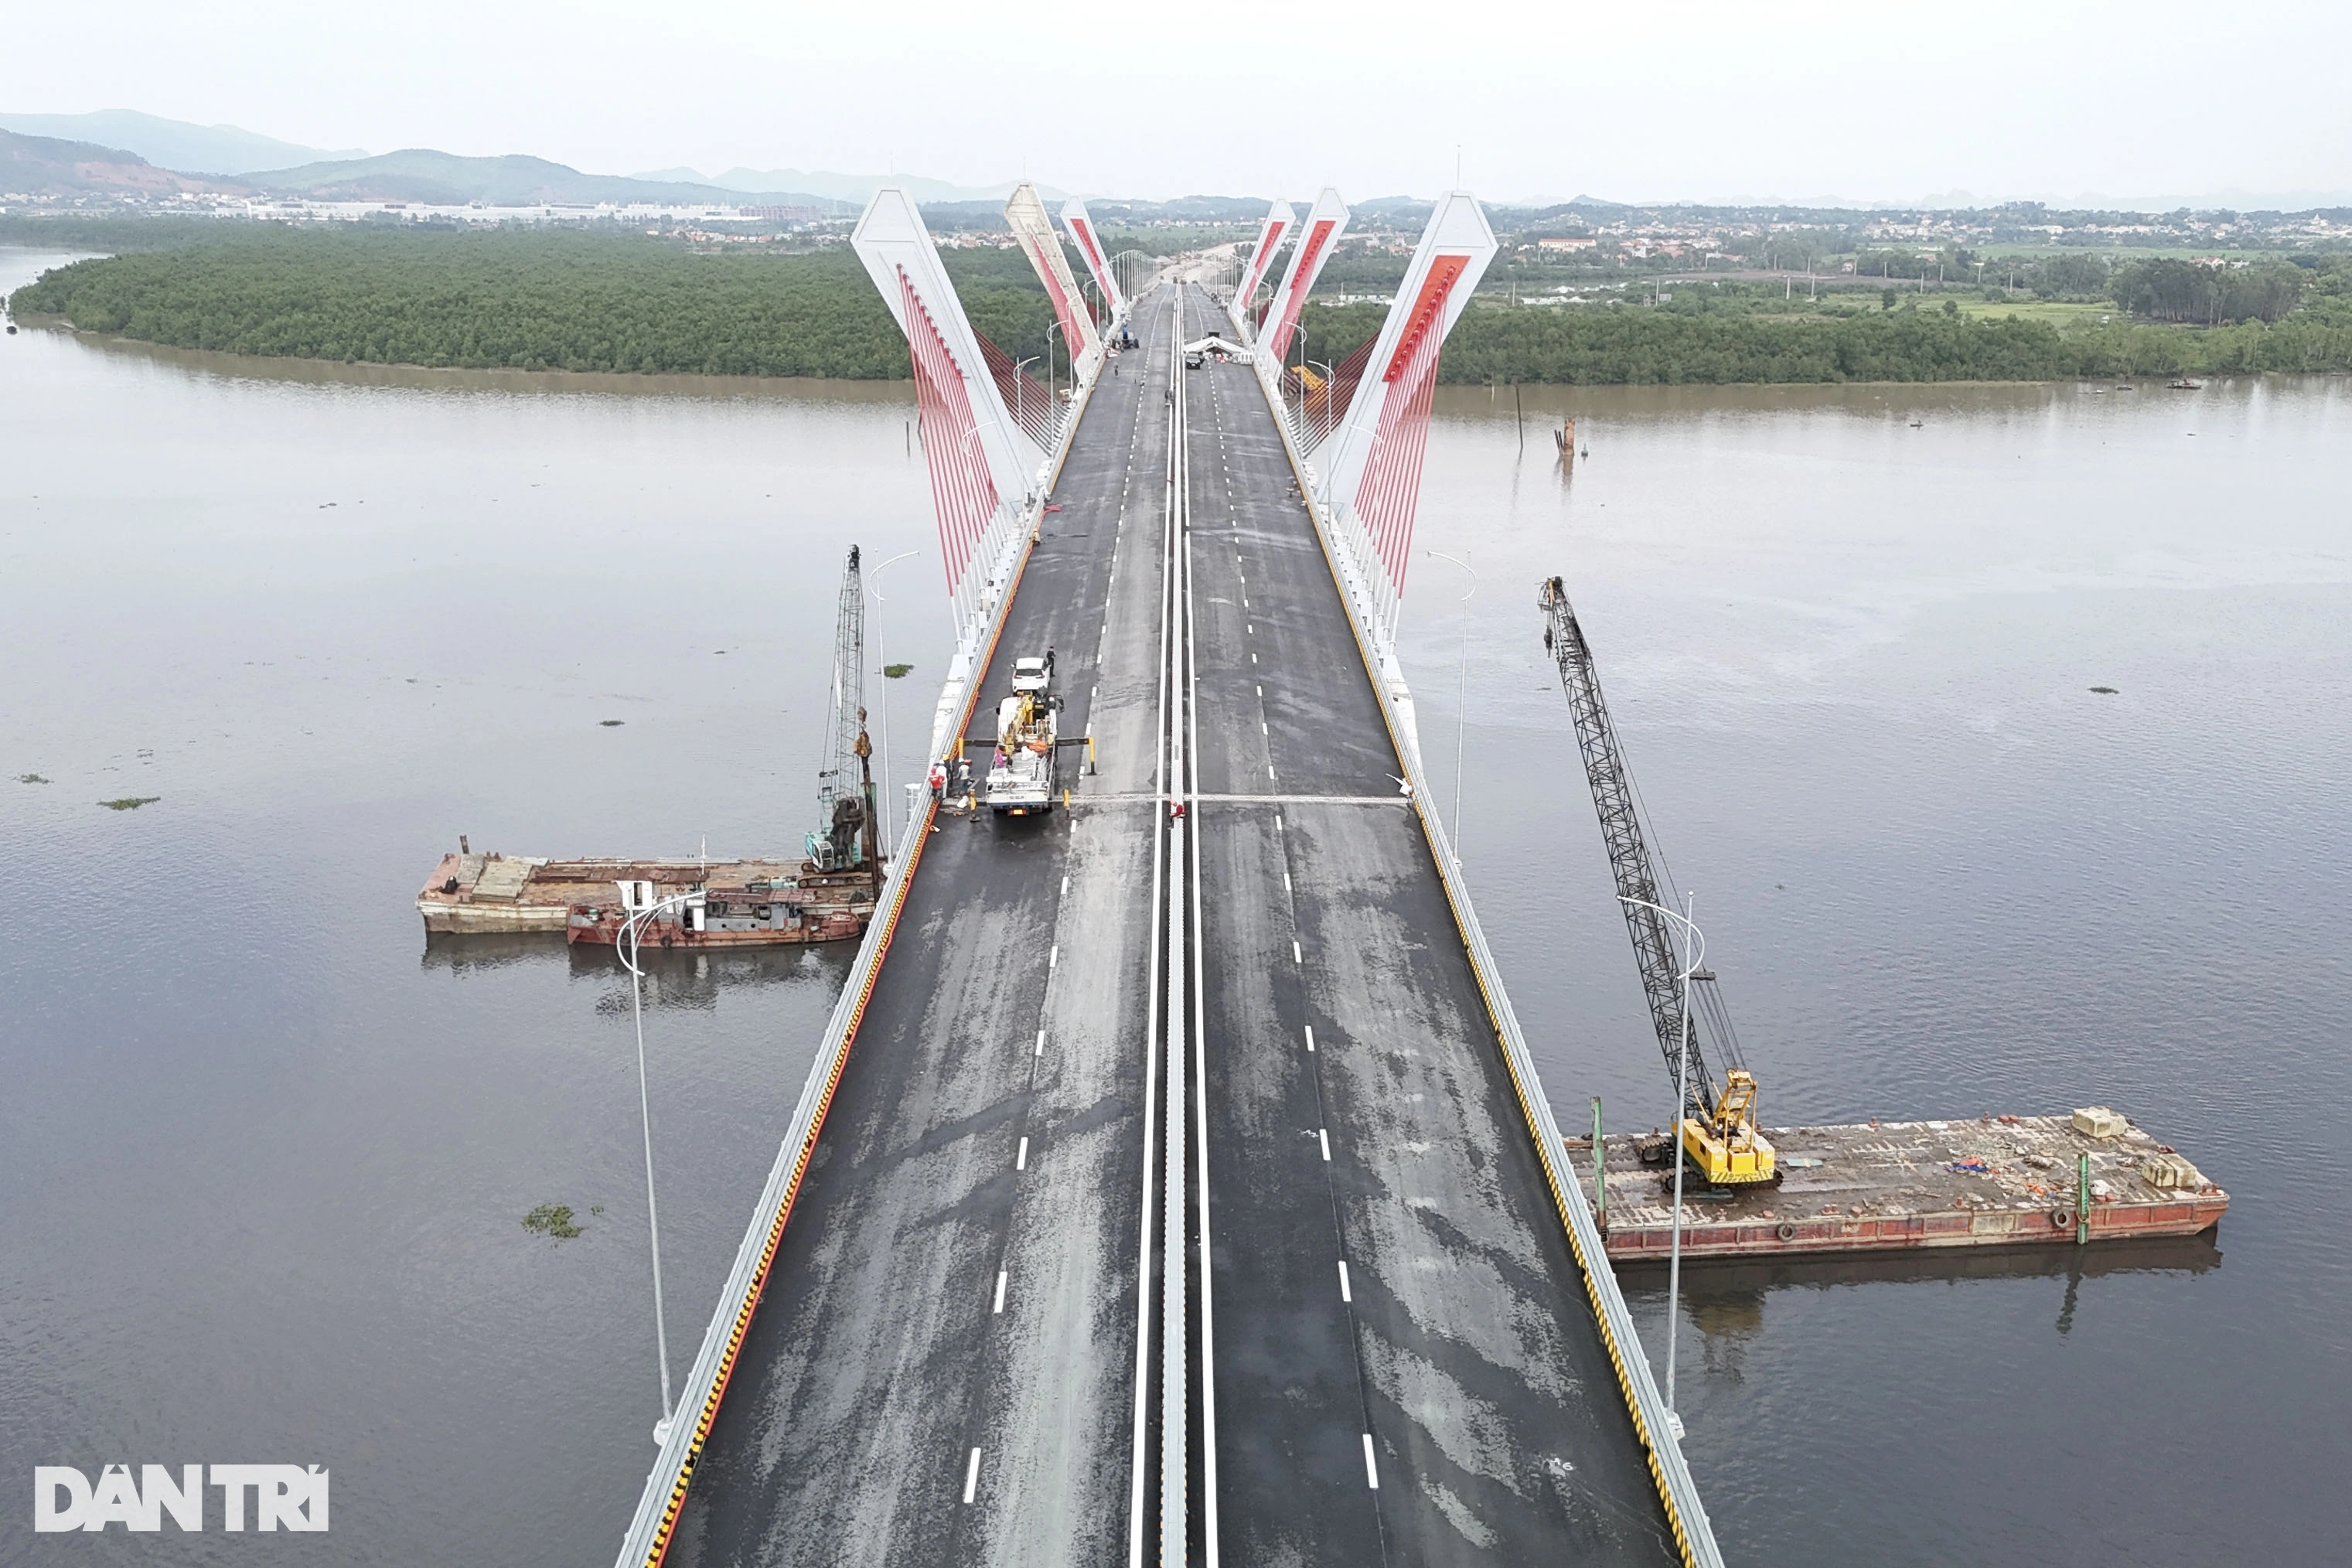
(1716, 1130)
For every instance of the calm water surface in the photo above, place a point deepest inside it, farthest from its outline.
(264, 1152)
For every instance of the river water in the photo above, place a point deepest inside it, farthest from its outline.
(264, 1152)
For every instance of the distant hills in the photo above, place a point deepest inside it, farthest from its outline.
(854, 189)
(176, 143)
(422, 175)
(46, 166)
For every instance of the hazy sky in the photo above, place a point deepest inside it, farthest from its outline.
(1861, 98)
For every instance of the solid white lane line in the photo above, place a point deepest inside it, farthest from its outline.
(1371, 1471)
(997, 1308)
(1021, 1157)
(1295, 956)
(971, 1472)
(1345, 1294)
(1310, 1037)
(1323, 1134)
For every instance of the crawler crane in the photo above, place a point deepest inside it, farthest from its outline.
(1717, 1130)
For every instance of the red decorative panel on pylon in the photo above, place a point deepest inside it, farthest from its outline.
(1302, 270)
(1389, 491)
(961, 491)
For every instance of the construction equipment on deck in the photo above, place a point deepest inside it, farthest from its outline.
(1022, 771)
(1717, 1129)
(845, 786)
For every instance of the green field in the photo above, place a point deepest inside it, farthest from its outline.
(2051, 312)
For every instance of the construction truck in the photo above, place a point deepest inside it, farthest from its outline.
(1716, 1130)
(1021, 774)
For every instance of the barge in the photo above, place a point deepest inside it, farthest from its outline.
(1995, 1181)
(744, 903)
(701, 903)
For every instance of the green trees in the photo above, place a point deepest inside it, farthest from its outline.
(1631, 343)
(2076, 275)
(524, 299)
(564, 300)
(2166, 290)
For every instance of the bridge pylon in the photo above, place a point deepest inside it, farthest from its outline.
(1279, 222)
(1033, 229)
(1081, 225)
(990, 434)
(1326, 221)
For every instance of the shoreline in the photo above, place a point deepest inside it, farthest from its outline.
(376, 372)
(1548, 394)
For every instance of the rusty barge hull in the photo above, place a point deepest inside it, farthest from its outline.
(2007, 1181)
(749, 903)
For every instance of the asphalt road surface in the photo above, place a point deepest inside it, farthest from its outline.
(960, 1273)
(1406, 1366)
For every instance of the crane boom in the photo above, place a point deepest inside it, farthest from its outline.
(1724, 1139)
(845, 785)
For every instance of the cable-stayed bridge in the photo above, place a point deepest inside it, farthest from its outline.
(1174, 1184)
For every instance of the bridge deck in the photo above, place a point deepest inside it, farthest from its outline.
(878, 1359)
(941, 1289)
(1468, 1351)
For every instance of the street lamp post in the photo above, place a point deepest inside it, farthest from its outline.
(874, 582)
(1020, 384)
(1462, 709)
(1330, 381)
(627, 947)
(1694, 951)
(1051, 328)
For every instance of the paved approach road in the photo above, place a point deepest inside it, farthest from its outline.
(1406, 1368)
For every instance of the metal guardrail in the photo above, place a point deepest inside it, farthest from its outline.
(1686, 1512)
(648, 1536)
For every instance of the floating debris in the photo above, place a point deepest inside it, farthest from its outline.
(32, 778)
(2104, 690)
(611, 723)
(893, 671)
(551, 1220)
(131, 802)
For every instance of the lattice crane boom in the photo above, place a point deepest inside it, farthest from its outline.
(1655, 947)
(844, 784)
